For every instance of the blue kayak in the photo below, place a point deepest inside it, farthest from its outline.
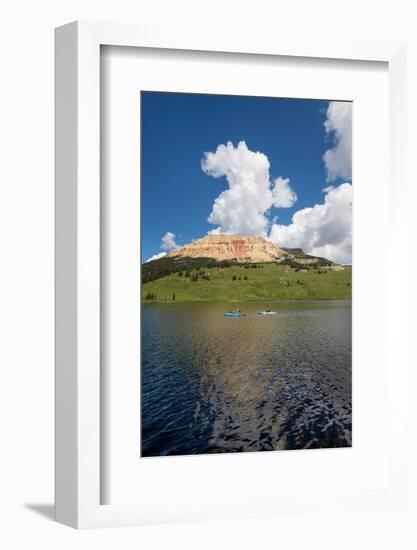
(234, 314)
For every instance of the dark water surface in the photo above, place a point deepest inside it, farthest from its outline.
(213, 384)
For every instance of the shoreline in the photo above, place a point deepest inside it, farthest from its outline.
(272, 301)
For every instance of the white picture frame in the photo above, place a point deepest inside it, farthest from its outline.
(78, 321)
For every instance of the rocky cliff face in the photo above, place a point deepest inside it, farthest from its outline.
(243, 249)
(232, 247)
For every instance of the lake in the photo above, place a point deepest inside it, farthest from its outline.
(213, 384)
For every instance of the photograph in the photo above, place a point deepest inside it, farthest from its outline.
(246, 274)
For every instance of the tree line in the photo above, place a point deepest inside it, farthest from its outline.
(151, 271)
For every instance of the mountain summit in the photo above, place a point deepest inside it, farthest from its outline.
(231, 247)
(242, 249)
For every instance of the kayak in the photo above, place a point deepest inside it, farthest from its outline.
(234, 314)
(267, 312)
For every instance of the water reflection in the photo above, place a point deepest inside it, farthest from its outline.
(215, 384)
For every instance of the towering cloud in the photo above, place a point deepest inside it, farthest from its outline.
(326, 229)
(322, 230)
(243, 207)
(338, 124)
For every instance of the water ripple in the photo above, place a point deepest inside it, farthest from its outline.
(211, 384)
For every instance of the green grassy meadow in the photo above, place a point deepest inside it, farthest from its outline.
(267, 282)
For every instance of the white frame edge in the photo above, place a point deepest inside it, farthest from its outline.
(77, 229)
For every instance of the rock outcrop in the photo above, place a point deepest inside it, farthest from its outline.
(232, 247)
(242, 249)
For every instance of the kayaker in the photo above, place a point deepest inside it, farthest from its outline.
(268, 309)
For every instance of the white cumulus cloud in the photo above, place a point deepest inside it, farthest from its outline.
(168, 242)
(243, 207)
(283, 195)
(338, 159)
(323, 229)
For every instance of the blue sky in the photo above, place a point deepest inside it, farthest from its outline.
(293, 135)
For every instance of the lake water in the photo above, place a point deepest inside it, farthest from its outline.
(212, 384)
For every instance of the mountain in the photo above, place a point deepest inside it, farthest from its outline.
(226, 268)
(243, 249)
(220, 250)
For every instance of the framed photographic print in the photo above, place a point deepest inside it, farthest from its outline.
(225, 346)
